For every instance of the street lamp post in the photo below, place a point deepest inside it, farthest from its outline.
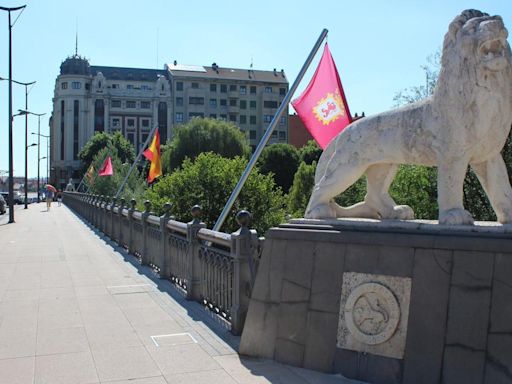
(47, 157)
(11, 175)
(38, 150)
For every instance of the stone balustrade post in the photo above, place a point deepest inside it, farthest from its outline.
(112, 219)
(194, 278)
(243, 245)
(145, 260)
(133, 203)
(162, 261)
(120, 240)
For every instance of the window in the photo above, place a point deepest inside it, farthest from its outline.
(179, 86)
(268, 89)
(269, 104)
(179, 117)
(213, 87)
(88, 86)
(252, 120)
(115, 103)
(162, 121)
(195, 85)
(213, 116)
(76, 116)
(232, 88)
(131, 104)
(223, 102)
(223, 88)
(232, 102)
(282, 135)
(213, 103)
(192, 115)
(64, 85)
(130, 122)
(129, 86)
(116, 122)
(243, 90)
(130, 136)
(99, 115)
(282, 91)
(145, 87)
(243, 104)
(76, 85)
(144, 123)
(243, 119)
(196, 100)
(223, 117)
(252, 104)
(252, 134)
(115, 86)
(267, 118)
(274, 134)
(232, 118)
(253, 90)
(282, 121)
(145, 104)
(179, 101)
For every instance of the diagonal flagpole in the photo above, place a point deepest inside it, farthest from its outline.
(266, 137)
(150, 136)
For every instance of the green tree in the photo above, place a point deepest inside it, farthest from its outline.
(101, 140)
(208, 181)
(310, 152)
(205, 135)
(283, 161)
(300, 192)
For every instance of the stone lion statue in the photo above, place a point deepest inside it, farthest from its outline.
(465, 122)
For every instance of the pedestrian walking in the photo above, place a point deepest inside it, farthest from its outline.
(59, 198)
(50, 191)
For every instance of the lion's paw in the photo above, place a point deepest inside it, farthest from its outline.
(321, 211)
(403, 212)
(456, 216)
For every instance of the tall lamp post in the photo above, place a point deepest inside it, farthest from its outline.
(38, 149)
(47, 158)
(11, 175)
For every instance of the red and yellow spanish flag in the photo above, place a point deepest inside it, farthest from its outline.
(322, 107)
(153, 155)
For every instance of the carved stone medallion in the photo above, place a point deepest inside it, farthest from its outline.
(373, 313)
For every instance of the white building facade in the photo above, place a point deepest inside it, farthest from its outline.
(89, 99)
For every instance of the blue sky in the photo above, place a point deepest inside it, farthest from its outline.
(378, 46)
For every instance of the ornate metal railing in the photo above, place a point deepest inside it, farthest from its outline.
(214, 268)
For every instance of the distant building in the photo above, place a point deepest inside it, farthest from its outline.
(89, 99)
(298, 134)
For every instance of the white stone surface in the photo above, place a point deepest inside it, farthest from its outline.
(374, 311)
(465, 122)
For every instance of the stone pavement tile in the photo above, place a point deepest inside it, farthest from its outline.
(147, 317)
(144, 333)
(61, 340)
(111, 336)
(57, 293)
(147, 380)
(90, 290)
(17, 371)
(86, 280)
(218, 376)
(17, 343)
(75, 368)
(59, 320)
(255, 371)
(21, 294)
(104, 317)
(97, 303)
(135, 300)
(124, 364)
(64, 306)
(25, 282)
(182, 358)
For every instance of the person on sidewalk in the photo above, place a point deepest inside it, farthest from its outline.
(49, 198)
(59, 198)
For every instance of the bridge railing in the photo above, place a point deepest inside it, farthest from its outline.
(214, 268)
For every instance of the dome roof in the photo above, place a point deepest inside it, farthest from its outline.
(75, 65)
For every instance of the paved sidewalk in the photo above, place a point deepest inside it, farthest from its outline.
(74, 308)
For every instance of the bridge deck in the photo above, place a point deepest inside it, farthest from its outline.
(74, 308)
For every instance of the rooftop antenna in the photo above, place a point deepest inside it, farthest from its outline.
(157, 38)
(250, 66)
(76, 37)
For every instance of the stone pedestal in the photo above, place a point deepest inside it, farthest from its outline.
(386, 302)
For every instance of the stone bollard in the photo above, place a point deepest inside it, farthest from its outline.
(194, 266)
(243, 245)
(145, 259)
(120, 240)
(112, 228)
(162, 261)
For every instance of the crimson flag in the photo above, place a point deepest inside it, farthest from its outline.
(106, 169)
(322, 107)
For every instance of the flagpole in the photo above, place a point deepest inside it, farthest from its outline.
(81, 181)
(268, 133)
(150, 136)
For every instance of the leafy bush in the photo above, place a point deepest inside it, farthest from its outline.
(208, 181)
(283, 161)
(301, 189)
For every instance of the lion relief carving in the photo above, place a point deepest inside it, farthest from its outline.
(465, 122)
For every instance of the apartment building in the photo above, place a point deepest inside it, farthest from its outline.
(89, 99)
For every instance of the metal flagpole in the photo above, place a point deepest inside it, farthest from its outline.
(268, 133)
(150, 136)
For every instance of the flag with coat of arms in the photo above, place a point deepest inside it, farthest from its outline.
(322, 106)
